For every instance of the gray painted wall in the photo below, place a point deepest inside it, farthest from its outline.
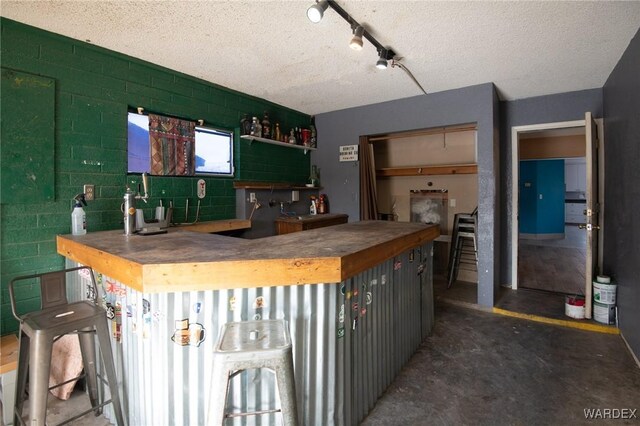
(476, 104)
(621, 95)
(542, 109)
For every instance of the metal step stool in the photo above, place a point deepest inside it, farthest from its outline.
(40, 329)
(253, 344)
(464, 230)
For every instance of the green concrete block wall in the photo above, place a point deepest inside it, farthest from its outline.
(95, 88)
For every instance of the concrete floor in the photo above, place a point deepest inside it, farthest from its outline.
(481, 368)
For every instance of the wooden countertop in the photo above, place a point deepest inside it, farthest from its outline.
(193, 261)
(311, 218)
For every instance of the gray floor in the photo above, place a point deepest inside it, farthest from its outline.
(479, 368)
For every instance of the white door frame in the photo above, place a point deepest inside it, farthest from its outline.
(515, 188)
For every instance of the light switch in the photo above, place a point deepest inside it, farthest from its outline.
(452, 202)
(295, 196)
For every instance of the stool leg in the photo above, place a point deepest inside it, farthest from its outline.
(287, 390)
(21, 378)
(39, 365)
(109, 366)
(86, 337)
(219, 391)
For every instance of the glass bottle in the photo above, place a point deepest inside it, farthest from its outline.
(266, 126)
(314, 179)
(245, 125)
(314, 133)
(292, 137)
(256, 128)
(277, 134)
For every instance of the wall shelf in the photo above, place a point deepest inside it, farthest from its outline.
(450, 169)
(272, 185)
(272, 142)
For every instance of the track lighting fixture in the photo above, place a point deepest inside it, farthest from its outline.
(356, 41)
(315, 12)
(382, 60)
(385, 54)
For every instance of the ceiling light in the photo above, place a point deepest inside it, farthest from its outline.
(356, 41)
(315, 12)
(382, 60)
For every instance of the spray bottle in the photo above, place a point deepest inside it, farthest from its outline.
(78, 216)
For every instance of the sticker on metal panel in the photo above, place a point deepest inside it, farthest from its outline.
(341, 314)
(363, 312)
(354, 323)
(146, 306)
(369, 297)
(374, 281)
(383, 279)
(111, 311)
(397, 265)
(232, 303)
(188, 334)
(411, 256)
(259, 303)
(348, 295)
(340, 332)
(342, 289)
(257, 317)
(355, 306)
(355, 292)
(421, 268)
(197, 307)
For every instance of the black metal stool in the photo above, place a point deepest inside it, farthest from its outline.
(40, 329)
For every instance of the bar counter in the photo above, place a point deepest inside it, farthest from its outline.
(358, 299)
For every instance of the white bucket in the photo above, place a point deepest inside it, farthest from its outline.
(604, 313)
(574, 307)
(603, 291)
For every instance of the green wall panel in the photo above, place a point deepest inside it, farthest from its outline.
(26, 137)
(94, 89)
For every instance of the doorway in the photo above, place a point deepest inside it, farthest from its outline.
(550, 252)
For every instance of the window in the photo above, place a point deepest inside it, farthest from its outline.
(214, 148)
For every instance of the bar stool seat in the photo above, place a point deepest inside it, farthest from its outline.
(248, 345)
(40, 329)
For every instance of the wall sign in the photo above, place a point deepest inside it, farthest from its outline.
(349, 153)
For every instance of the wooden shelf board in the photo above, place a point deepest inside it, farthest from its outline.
(271, 185)
(449, 169)
(272, 142)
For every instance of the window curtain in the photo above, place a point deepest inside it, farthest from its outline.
(173, 146)
(368, 190)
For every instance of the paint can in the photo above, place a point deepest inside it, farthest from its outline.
(603, 291)
(574, 307)
(604, 313)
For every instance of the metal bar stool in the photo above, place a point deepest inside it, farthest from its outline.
(40, 329)
(253, 344)
(464, 229)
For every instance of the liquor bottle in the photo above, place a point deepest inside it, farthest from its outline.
(277, 134)
(292, 137)
(245, 125)
(266, 126)
(256, 128)
(314, 133)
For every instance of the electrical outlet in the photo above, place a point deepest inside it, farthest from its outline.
(252, 197)
(89, 192)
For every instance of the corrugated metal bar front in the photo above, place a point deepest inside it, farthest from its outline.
(350, 340)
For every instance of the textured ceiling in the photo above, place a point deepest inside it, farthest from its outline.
(269, 49)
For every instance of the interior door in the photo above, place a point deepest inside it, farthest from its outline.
(592, 210)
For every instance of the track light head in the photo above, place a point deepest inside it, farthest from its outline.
(382, 60)
(315, 12)
(356, 41)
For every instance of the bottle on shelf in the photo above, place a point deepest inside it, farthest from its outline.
(312, 208)
(277, 134)
(292, 137)
(314, 178)
(322, 206)
(256, 128)
(313, 142)
(245, 125)
(266, 126)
